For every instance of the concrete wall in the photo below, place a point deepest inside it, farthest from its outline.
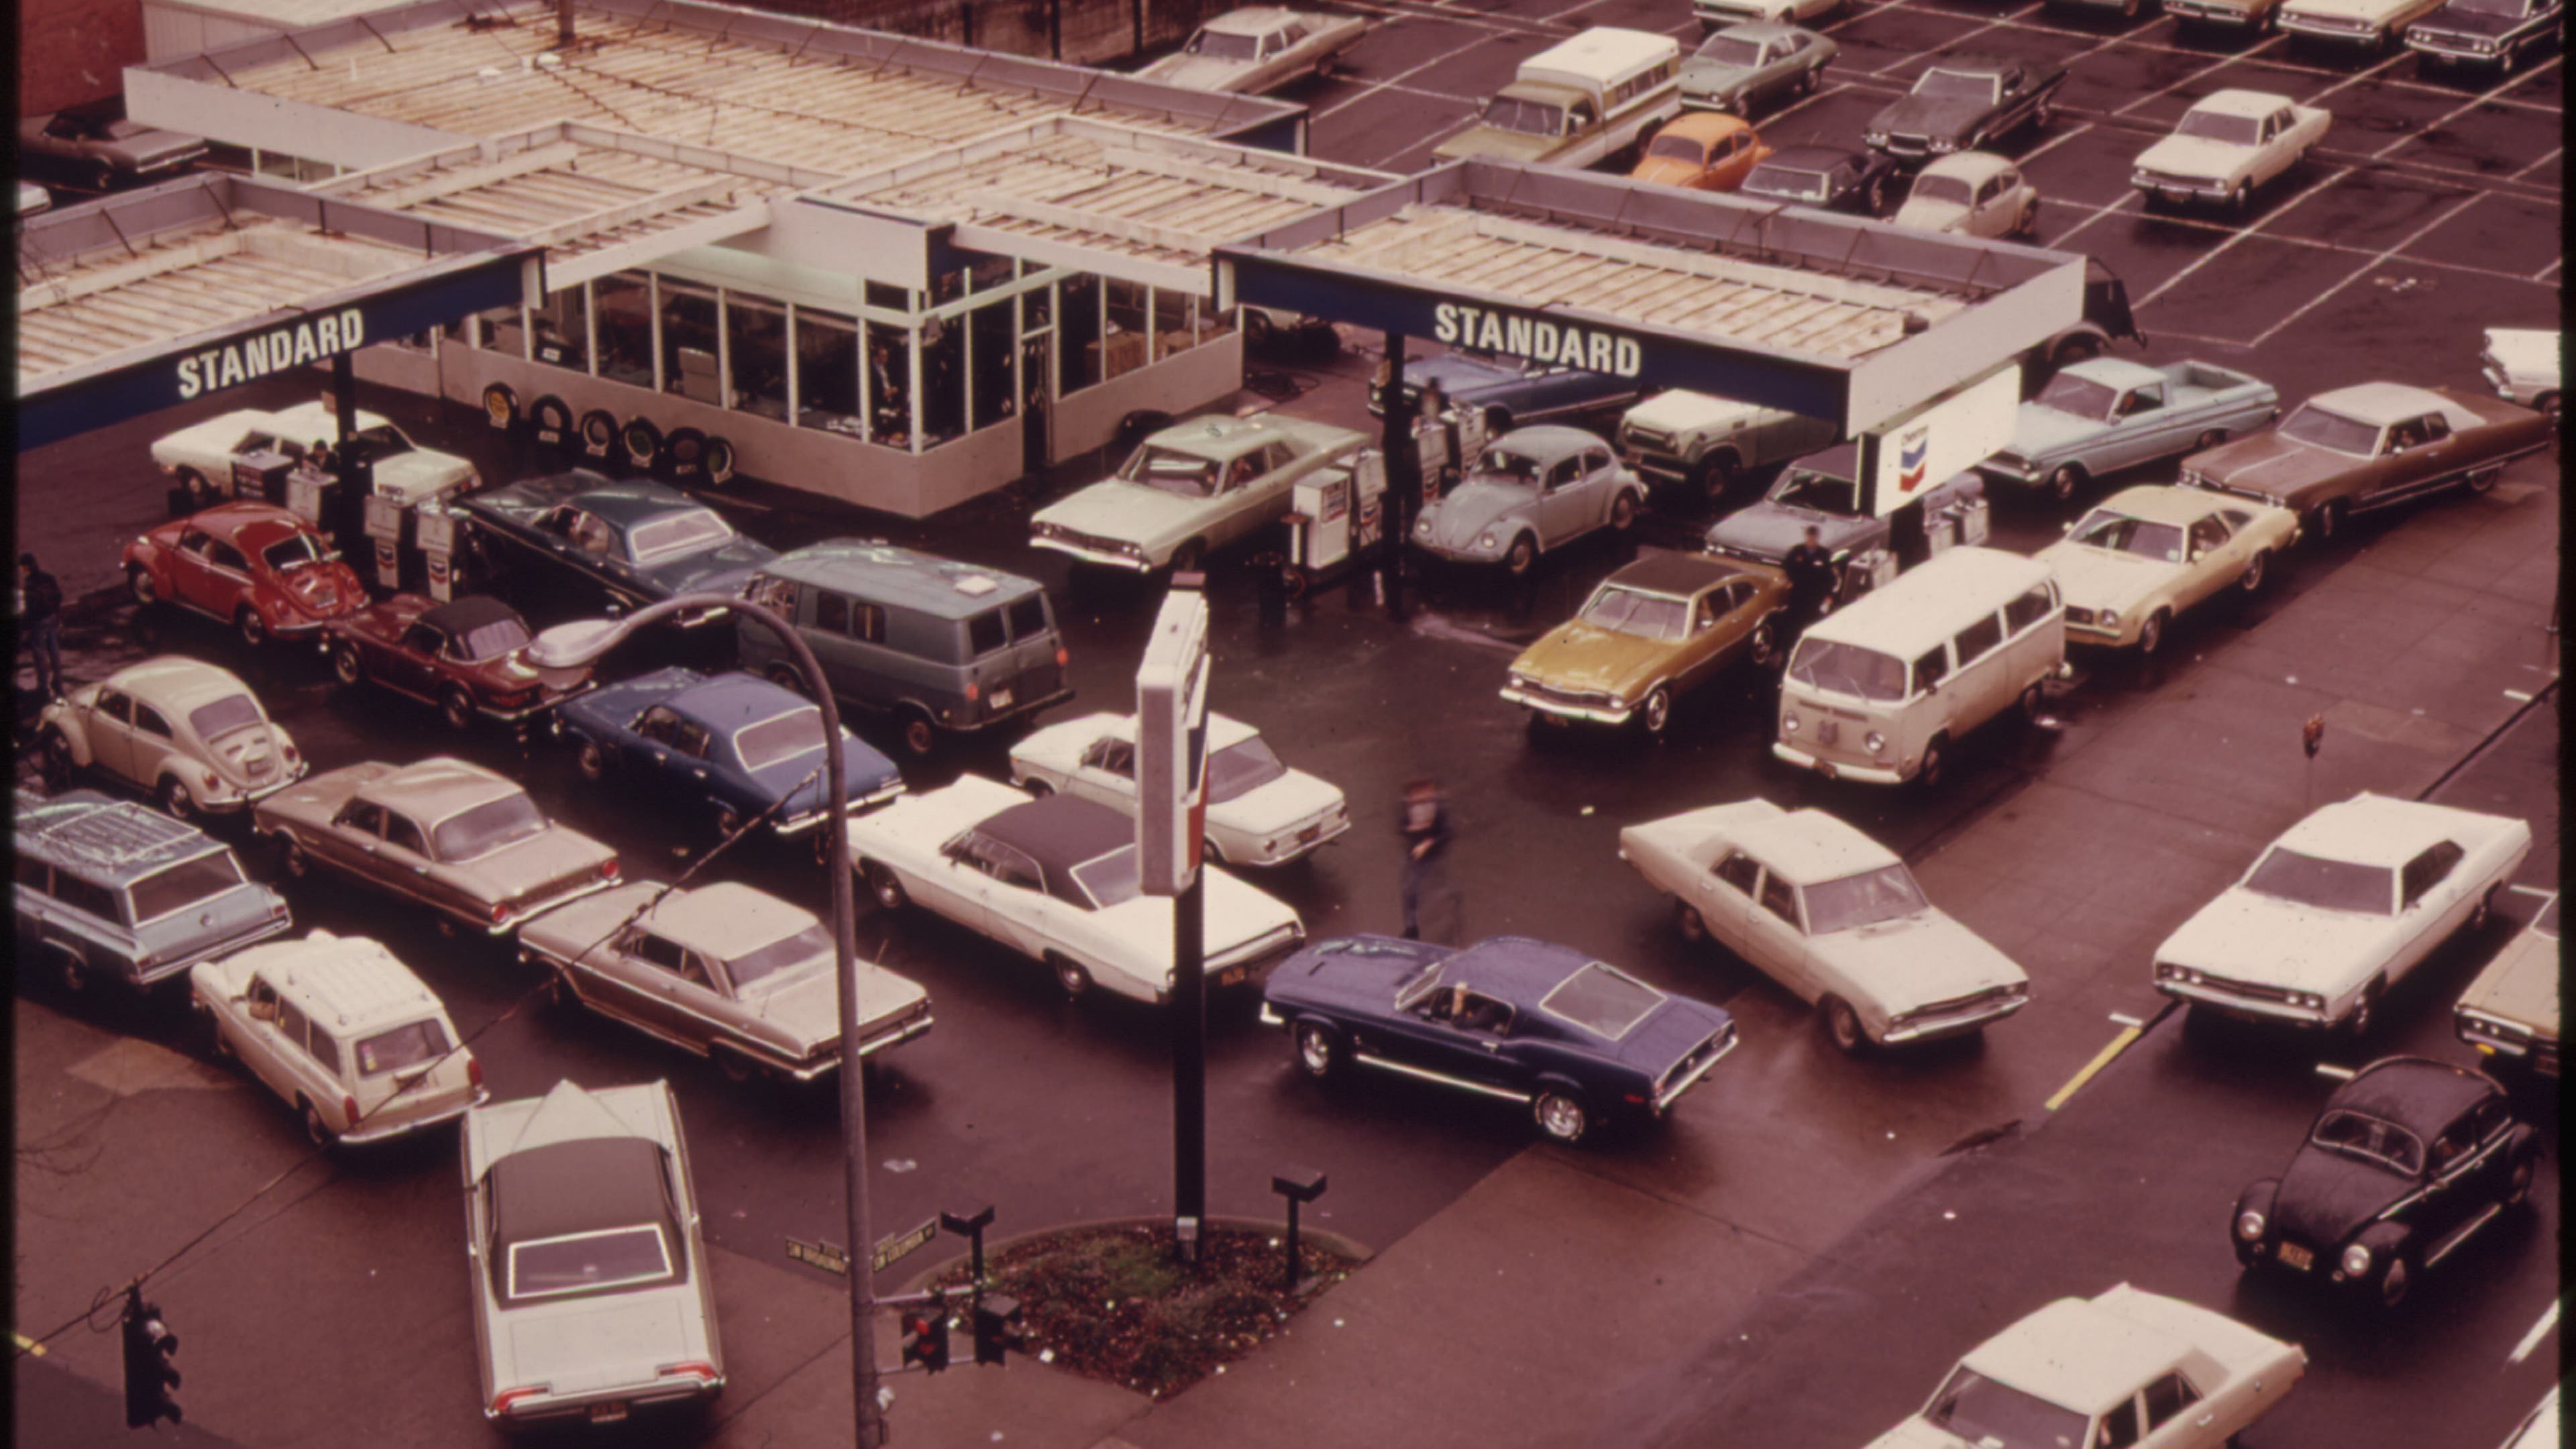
(74, 51)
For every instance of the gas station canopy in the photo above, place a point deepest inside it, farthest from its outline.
(1825, 315)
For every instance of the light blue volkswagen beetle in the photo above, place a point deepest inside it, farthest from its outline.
(1531, 491)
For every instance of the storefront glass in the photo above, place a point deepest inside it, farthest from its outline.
(1175, 323)
(505, 331)
(996, 345)
(1124, 344)
(1077, 346)
(625, 305)
(756, 335)
(827, 371)
(563, 328)
(689, 342)
(890, 384)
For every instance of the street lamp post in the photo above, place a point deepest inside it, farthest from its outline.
(582, 641)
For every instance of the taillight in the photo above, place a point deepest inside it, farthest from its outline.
(209, 777)
(692, 1368)
(502, 1401)
(608, 870)
(1636, 1099)
(349, 1110)
(972, 693)
(290, 753)
(276, 908)
(473, 1072)
(500, 912)
(1061, 657)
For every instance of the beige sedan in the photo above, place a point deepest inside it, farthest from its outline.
(2146, 554)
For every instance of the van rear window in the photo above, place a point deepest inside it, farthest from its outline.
(1028, 617)
(984, 633)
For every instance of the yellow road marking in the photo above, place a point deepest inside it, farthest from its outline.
(2100, 1060)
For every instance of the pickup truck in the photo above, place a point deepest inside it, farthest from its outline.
(1707, 443)
(2108, 413)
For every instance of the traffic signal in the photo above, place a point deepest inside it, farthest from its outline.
(149, 1376)
(997, 1327)
(925, 1340)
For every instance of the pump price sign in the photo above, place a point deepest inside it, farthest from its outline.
(1171, 746)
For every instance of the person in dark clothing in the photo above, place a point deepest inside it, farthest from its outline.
(40, 623)
(1810, 567)
(1424, 823)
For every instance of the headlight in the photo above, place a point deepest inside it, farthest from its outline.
(2165, 971)
(2249, 1225)
(1518, 679)
(1944, 143)
(2191, 478)
(1423, 527)
(1874, 741)
(1132, 550)
(1487, 540)
(2110, 618)
(2356, 1261)
(1876, 138)
(1788, 724)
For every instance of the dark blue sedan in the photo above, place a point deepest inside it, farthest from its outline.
(638, 540)
(736, 743)
(1509, 1017)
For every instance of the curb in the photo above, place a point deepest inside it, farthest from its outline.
(1348, 1247)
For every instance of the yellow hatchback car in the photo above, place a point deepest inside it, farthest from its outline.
(1663, 624)
(1704, 151)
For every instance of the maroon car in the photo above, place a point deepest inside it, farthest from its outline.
(468, 657)
(2371, 446)
(252, 565)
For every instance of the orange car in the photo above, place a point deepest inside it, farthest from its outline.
(1703, 150)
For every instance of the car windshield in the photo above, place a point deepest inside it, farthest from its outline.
(589, 1262)
(2512, 8)
(404, 1046)
(296, 551)
(1957, 85)
(1172, 471)
(488, 827)
(2219, 126)
(1788, 181)
(1848, 669)
(814, 943)
(1817, 492)
(383, 440)
(2348, 1133)
(694, 530)
(183, 885)
(2335, 885)
(2314, 425)
(1730, 50)
(1534, 118)
(1677, 148)
(1110, 879)
(490, 641)
(1502, 465)
(2079, 396)
(232, 712)
(2121, 533)
(1992, 1415)
(1942, 188)
(797, 733)
(1885, 894)
(1241, 768)
(1602, 1000)
(1626, 611)
(1218, 45)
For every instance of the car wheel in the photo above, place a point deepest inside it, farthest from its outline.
(102, 177)
(1623, 512)
(2328, 520)
(591, 760)
(2357, 1025)
(72, 971)
(1657, 711)
(292, 862)
(560, 992)
(254, 629)
(1842, 1023)
(1936, 756)
(2151, 634)
(920, 736)
(2517, 1183)
(1714, 475)
(314, 1127)
(884, 885)
(1319, 1050)
(736, 1067)
(2395, 1281)
(1038, 789)
(138, 581)
(201, 494)
(728, 822)
(1764, 648)
(1069, 975)
(1874, 197)
(2485, 909)
(2546, 404)
(1189, 558)
(175, 799)
(1808, 82)
(54, 761)
(222, 1045)
(346, 666)
(2251, 581)
(1562, 1116)
(2485, 478)
(822, 839)
(2209, 438)
(2028, 220)
(1688, 921)
(2033, 700)
(1257, 329)
(1498, 421)
(2063, 482)
(457, 708)
(788, 677)
(1518, 559)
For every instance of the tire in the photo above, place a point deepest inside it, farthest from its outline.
(1258, 330)
(1656, 714)
(2396, 1281)
(736, 1067)
(2484, 911)
(592, 760)
(884, 885)
(175, 799)
(1808, 82)
(292, 862)
(551, 414)
(822, 838)
(314, 1127)
(2250, 582)
(641, 441)
(1562, 1117)
(1069, 975)
(2357, 1025)
(2485, 478)
(71, 971)
(1623, 512)
(138, 582)
(721, 459)
(102, 177)
(347, 666)
(1189, 558)
(788, 677)
(1688, 921)
(1715, 474)
(684, 450)
(728, 821)
(201, 494)
(1038, 789)
(560, 993)
(598, 433)
(2241, 200)
(1520, 557)
(54, 761)
(2209, 438)
(2028, 221)
(1936, 757)
(2546, 403)
(2129, 9)
(457, 708)
(920, 735)
(2063, 482)
(1764, 648)
(1318, 1050)
(2517, 1184)
(2329, 519)
(2151, 634)
(1873, 199)
(254, 629)
(1843, 1026)
(2033, 700)
(222, 1045)
(500, 406)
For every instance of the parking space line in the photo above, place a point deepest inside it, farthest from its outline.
(2101, 1059)
(2543, 274)
(2214, 253)
(1450, 54)
(2539, 1331)
(2543, 892)
(2420, 132)
(2546, 158)
(2366, 268)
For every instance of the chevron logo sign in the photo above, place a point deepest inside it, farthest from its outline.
(1911, 450)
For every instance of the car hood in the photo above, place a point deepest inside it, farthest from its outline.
(1713, 78)
(2276, 467)
(2097, 578)
(1928, 116)
(1271, 808)
(1129, 512)
(1919, 960)
(2325, 1199)
(1681, 410)
(1930, 215)
(1494, 143)
(2249, 937)
(598, 1343)
(1198, 72)
(2194, 156)
(2040, 430)
(1471, 508)
(1916, 1434)
(1668, 171)
(1671, 1032)
(1585, 656)
(2452, 20)
(1768, 530)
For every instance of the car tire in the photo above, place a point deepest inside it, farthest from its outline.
(201, 494)
(1318, 1050)
(2063, 481)
(2396, 1281)
(790, 678)
(1808, 82)
(2209, 438)
(2485, 478)
(500, 406)
(1498, 421)
(347, 665)
(1623, 512)
(314, 1127)
(551, 414)
(1258, 330)
(885, 885)
(1561, 1116)
(139, 582)
(684, 451)
(102, 177)
(2028, 221)
(736, 1067)
(2151, 634)
(176, 802)
(728, 822)
(1655, 714)
(71, 971)
(1521, 557)
(457, 708)
(2241, 200)
(1873, 197)
(2357, 1025)
(1038, 789)
(1713, 476)
(1843, 1026)
(221, 1045)
(2484, 911)
(822, 838)
(641, 441)
(598, 433)
(1069, 975)
(254, 629)
(1764, 647)
(292, 862)
(2329, 519)
(2546, 404)
(1189, 558)
(1687, 920)
(2250, 582)
(590, 760)
(2033, 701)
(54, 762)
(1936, 756)
(561, 994)
(920, 734)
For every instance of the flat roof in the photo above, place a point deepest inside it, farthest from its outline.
(1603, 50)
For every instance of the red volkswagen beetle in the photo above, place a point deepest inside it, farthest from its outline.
(252, 565)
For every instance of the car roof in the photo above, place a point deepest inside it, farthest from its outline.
(2078, 1355)
(1220, 437)
(1703, 126)
(1971, 61)
(1932, 601)
(242, 517)
(890, 574)
(1551, 440)
(621, 501)
(345, 983)
(2383, 403)
(2373, 830)
(726, 702)
(2418, 1093)
(436, 788)
(1809, 157)
(1251, 20)
(1811, 846)
(322, 421)
(2236, 102)
(725, 919)
(2172, 503)
(1519, 969)
(579, 1185)
(1763, 30)
(2116, 372)
(113, 840)
(1603, 49)
(178, 682)
(1967, 165)
(1059, 832)
(463, 616)
(1670, 571)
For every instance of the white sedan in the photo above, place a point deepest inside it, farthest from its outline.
(201, 456)
(1055, 879)
(2341, 906)
(2228, 145)
(1259, 811)
(2128, 1367)
(1195, 486)
(2147, 553)
(1829, 913)
(1255, 51)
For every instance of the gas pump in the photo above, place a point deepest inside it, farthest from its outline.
(1336, 514)
(310, 492)
(434, 529)
(384, 524)
(261, 477)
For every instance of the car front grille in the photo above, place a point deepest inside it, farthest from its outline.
(1908, 146)
(2333, 24)
(2168, 179)
(2249, 989)
(1554, 694)
(1074, 538)
(1656, 438)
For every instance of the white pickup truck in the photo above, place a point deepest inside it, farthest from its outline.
(1707, 443)
(201, 456)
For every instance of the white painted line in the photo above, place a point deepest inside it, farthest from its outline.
(2546, 158)
(2384, 257)
(2419, 132)
(2125, 1019)
(2214, 253)
(2523, 890)
(2517, 696)
(2539, 1331)
(2543, 274)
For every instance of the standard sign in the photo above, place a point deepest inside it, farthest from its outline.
(1171, 746)
(890, 1248)
(314, 339)
(1540, 339)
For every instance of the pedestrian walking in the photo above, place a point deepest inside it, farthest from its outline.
(40, 623)
(1424, 823)
(1810, 567)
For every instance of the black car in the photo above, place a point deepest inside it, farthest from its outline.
(104, 151)
(638, 540)
(2484, 32)
(1962, 102)
(2408, 1159)
(1508, 1017)
(1828, 178)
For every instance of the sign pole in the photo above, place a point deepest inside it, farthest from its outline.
(1189, 1066)
(1403, 479)
(1171, 826)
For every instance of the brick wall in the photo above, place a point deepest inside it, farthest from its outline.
(71, 51)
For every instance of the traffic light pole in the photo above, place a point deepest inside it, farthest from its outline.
(1189, 1064)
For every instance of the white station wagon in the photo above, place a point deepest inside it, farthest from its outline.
(2342, 905)
(1259, 811)
(201, 455)
(2229, 144)
(1194, 486)
(1831, 914)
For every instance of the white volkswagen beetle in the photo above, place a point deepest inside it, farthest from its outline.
(1973, 193)
(188, 734)
(1829, 913)
(1259, 811)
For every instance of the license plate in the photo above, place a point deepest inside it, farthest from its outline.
(1309, 833)
(608, 1413)
(1001, 699)
(1552, 717)
(2176, 197)
(2295, 1256)
(1230, 975)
